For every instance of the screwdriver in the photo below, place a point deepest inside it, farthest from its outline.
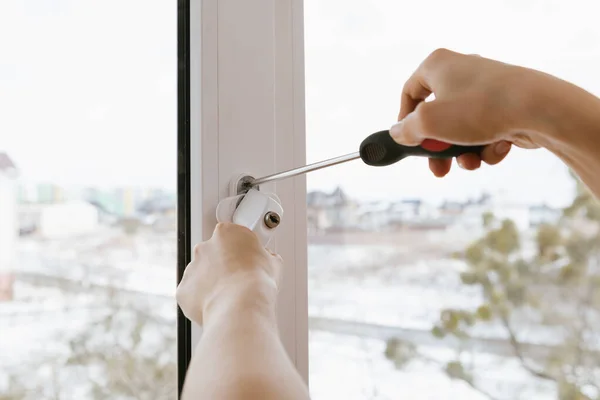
(379, 150)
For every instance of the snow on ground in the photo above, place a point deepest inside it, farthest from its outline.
(144, 263)
(396, 293)
(372, 284)
(30, 326)
(345, 367)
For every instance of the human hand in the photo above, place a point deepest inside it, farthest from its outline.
(478, 101)
(232, 258)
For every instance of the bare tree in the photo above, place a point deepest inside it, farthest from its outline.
(542, 294)
(118, 344)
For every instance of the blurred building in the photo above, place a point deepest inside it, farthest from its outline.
(27, 192)
(543, 214)
(331, 211)
(49, 193)
(8, 226)
(60, 220)
(335, 211)
(129, 202)
(525, 216)
(159, 210)
(124, 201)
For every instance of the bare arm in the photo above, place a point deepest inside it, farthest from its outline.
(566, 120)
(231, 288)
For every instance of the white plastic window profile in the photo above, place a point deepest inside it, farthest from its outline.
(247, 115)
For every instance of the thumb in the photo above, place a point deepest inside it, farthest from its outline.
(446, 121)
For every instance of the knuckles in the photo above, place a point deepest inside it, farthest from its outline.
(198, 249)
(439, 53)
(180, 295)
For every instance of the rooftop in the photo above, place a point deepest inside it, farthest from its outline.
(7, 165)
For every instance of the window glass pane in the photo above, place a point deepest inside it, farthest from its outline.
(396, 307)
(87, 199)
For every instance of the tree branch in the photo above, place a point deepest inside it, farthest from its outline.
(519, 351)
(480, 390)
(471, 384)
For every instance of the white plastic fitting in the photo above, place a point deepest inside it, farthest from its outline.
(258, 211)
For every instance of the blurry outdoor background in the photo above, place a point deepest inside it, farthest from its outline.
(482, 285)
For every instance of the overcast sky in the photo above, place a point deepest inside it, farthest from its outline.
(88, 88)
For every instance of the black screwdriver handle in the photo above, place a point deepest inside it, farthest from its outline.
(379, 150)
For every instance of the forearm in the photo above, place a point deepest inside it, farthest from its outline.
(566, 121)
(240, 355)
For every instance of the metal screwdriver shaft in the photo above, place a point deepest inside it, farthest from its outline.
(377, 150)
(307, 168)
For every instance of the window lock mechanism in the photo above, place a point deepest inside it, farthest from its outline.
(260, 212)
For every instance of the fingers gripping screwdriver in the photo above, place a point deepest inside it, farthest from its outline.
(379, 150)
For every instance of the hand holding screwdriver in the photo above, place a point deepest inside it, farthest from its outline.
(477, 101)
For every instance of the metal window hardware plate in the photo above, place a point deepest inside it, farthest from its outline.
(258, 211)
(241, 184)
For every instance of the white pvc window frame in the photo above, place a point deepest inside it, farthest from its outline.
(246, 85)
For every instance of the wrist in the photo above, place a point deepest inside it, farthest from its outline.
(564, 119)
(558, 115)
(241, 297)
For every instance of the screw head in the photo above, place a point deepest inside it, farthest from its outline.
(272, 219)
(244, 184)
